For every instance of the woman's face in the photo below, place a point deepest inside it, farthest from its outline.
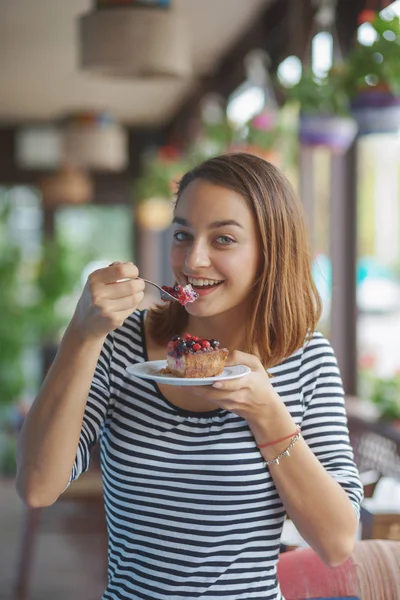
(215, 247)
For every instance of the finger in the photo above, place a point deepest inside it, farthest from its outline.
(242, 358)
(233, 385)
(117, 319)
(109, 307)
(115, 272)
(123, 289)
(208, 392)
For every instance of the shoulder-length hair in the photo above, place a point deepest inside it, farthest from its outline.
(284, 302)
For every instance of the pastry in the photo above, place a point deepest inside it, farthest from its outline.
(191, 356)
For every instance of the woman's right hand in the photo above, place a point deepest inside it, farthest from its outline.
(106, 301)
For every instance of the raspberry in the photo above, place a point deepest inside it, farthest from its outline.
(196, 347)
(206, 344)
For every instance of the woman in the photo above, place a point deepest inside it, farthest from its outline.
(198, 480)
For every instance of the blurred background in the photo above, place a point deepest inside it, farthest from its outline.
(103, 106)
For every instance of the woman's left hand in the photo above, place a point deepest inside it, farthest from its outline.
(252, 396)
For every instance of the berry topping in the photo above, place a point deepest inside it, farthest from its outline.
(191, 344)
(182, 294)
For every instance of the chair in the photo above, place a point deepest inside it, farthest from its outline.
(80, 509)
(372, 572)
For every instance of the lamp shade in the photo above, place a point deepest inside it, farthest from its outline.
(68, 186)
(154, 214)
(134, 42)
(94, 141)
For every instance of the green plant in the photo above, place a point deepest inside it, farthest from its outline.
(322, 96)
(56, 278)
(376, 66)
(159, 174)
(12, 318)
(385, 394)
(8, 456)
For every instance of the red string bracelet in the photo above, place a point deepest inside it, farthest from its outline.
(291, 435)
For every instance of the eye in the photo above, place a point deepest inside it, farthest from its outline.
(225, 240)
(181, 236)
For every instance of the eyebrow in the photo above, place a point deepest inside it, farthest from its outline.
(213, 225)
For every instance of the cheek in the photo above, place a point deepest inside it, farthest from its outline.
(176, 257)
(240, 267)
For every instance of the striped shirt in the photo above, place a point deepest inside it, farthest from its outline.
(191, 510)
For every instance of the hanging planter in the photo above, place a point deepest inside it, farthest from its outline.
(373, 75)
(376, 111)
(325, 120)
(330, 131)
(155, 189)
(362, 92)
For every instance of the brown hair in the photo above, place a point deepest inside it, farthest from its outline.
(285, 305)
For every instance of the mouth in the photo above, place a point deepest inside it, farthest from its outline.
(202, 285)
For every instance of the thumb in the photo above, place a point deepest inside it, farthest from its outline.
(242, 358)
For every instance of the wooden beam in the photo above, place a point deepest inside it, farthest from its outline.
(346, 22)
(343, 236)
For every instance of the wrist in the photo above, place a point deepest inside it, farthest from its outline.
(77, 337)
(274, 424)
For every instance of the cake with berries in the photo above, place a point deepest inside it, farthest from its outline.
(184, 295)
(191, 356)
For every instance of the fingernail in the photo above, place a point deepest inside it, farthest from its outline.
(217, 384)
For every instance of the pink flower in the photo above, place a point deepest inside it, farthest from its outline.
(367, 361)
(265, 121)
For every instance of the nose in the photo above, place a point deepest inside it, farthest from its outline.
(197, 256)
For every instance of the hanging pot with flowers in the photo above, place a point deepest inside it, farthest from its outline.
(373, 74)
(154, 190)
(324, 119)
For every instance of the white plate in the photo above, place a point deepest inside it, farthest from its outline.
(151, 370)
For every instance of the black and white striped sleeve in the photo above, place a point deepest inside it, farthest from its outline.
(324, 425)
(95, 411)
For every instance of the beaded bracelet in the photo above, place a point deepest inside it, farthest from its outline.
(284, 453)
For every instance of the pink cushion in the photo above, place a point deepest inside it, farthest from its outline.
(372, 572)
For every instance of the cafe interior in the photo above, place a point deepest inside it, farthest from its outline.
(104, 105)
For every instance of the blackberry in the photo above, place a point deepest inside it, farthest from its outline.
(175, 338)
(181, 346)
(214, 343)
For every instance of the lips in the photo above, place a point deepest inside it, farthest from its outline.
(204, 290)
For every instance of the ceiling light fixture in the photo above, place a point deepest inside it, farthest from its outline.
(134, 38)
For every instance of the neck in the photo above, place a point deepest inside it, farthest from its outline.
(219, 327)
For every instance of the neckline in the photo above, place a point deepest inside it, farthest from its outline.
(178, 409)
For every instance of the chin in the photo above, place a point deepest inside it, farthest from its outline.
(204, 310)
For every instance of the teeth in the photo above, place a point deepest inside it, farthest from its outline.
(201, 282)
